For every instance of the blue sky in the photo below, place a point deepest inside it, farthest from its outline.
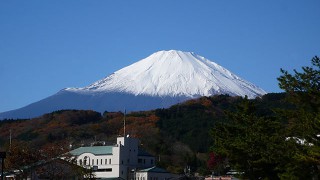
(46, 46)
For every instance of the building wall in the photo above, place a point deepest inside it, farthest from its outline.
(146, 161)
(128, 155)
(111, 169)
(124, 158)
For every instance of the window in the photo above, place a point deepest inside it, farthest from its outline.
(139, 160)
(144, 161)
(104, 170)
(92, 161)
(109, 161)
(122, 162)
(80, 162)
(151, 161)
(105, 161)
(101, 161)
(97, 161)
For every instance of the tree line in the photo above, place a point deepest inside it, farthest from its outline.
(275, 136)
(283, 144)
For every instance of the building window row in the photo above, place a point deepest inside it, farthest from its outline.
(143, 161)
(100, 161)
(86, 162)
(140, 178)
(104, 170)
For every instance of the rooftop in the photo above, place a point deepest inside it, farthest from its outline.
(154, 169)
(96, 150)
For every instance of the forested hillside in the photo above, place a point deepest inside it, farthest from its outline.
(179, 135)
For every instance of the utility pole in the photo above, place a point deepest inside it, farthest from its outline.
(10, 141)
(2, 156)
(124, 124)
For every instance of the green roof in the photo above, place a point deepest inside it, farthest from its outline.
(96, 150)
(154, 169)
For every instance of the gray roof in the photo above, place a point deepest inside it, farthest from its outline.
(154, 169)
(96, 150)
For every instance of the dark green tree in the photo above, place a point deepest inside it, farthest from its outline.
(282, 145)
(253, 145)
(303, 121)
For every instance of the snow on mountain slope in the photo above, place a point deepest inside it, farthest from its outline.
(163, 79)
(174, 73)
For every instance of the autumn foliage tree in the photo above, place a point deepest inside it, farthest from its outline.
(216, 163)
(20, 156)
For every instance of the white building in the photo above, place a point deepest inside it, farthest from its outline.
(118, 161)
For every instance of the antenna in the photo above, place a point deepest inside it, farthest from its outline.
(10, 140)
(124, 124)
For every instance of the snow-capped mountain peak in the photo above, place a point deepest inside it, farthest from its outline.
(174, 73)
(163, 79)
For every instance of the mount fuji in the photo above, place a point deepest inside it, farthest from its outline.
(158, 81)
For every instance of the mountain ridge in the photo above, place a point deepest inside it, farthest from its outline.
(160, 80)
(170, 73)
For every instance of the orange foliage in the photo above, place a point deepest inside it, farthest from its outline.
(141, 126)
(206, 102)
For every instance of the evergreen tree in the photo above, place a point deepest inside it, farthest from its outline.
(253, 145)
(303, 91)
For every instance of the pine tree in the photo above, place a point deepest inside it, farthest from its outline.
(303, 91)
(253, 145)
